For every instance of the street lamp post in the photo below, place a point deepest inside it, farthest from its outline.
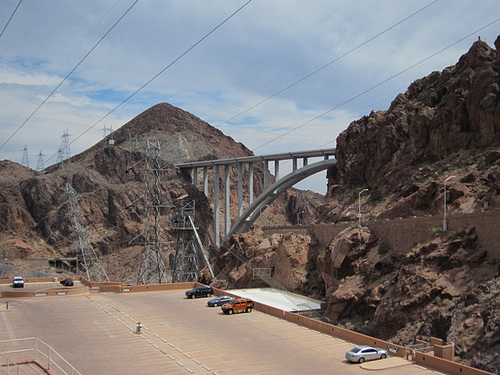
(359, 204)
(445, 222)
(299, 216)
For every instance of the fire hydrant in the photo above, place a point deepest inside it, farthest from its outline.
(138, 327)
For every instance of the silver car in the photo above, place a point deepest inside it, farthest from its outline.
(365, 353)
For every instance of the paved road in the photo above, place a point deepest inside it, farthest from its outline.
(95, 333)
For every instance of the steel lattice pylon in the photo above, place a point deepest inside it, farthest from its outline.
(153, 267)
(85, 252)
(185, 263)
(189, 249)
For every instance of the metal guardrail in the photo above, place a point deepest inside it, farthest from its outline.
(32, 350)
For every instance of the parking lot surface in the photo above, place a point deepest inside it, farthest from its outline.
(96, 333)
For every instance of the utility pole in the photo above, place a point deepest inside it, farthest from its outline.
(86, 255)
(359, 204)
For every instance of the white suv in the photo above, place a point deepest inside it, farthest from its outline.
(18, 282)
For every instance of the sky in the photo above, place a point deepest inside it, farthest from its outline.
(277, 75)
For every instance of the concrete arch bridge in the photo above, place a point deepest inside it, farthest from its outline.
(256, 205)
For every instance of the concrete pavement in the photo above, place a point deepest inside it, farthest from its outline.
(96, 334)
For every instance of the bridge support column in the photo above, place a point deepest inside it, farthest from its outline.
(205, 181)
(227, 199)
(250, 183)
(216, 206)
(294, 163)
(194, 176)
(305, 162)
(240, 189)
(277, 169)
(266, 174)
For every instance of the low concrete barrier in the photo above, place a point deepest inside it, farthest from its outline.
(44, 292)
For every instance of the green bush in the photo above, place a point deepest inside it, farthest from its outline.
(383, 249)
(459, 233)
(436, 231)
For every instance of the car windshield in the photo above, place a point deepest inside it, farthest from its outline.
(356, 350)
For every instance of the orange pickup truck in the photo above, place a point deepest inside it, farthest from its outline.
(238, 305)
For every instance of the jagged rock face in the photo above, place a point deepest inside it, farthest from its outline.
(444, 288)
(447, 123)
(439, 115)
(286, 255)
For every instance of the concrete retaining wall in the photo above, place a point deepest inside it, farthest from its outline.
(403, 233)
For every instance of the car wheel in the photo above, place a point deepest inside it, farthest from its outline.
(383, 356)
(361, 360)
(249, 309)
(192, 296)
(230, 312)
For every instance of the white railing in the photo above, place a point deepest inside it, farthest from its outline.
(8, 367)
(30, 350)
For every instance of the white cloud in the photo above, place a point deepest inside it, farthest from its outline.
(266, 47)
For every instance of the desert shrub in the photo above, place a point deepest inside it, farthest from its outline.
(383, 249)
(459, 233)
(436, 231)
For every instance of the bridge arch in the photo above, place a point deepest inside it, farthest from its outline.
(258, 204)
(269, 195)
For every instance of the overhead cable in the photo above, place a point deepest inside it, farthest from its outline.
(160, 72)
(67, 76)
(57, 70)
(329, 63)
(10, 19)
(377, 85)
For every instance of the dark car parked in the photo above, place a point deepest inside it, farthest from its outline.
(67, 282)
(200, 291)
(219, 301)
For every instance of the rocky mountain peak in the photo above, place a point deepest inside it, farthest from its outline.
(442, 118)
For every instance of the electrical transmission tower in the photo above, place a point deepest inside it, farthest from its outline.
(189, 249)
(40, 165)
(64, 151)
(153, 267)
(106, 130)
(25, 160)
(86, 255)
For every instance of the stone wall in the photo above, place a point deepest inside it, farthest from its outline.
(404, 233)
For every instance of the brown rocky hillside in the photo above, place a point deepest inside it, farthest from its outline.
(447, 286)
(109, 179)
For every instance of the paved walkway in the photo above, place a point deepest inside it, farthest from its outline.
(96, 334)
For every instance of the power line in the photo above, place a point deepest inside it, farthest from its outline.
(250, 72)
(377, 85)
(10, 19)
(161, 71)
(328, 63)
(59, 68)
(67, 76)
